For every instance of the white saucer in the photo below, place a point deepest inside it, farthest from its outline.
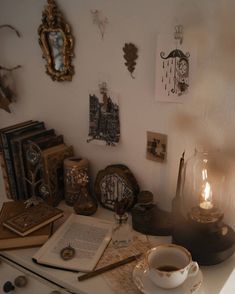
(140, 277)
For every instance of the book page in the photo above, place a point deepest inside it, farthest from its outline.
(85, 239)
(120, 279)
(89, 237)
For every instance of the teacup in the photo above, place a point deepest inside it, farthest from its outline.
(169, 265)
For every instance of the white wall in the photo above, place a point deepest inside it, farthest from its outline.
(206, 118)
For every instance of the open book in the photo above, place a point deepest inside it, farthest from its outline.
(89, 236)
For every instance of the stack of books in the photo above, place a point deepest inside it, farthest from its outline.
(28, 150)
(26, 227)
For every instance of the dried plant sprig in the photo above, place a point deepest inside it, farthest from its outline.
(121, 206)
(6, 94)
(179, 34)
(9, 69)
(100, 21)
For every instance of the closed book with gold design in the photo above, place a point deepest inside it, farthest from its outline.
(18, 148)
(53, 171)
(11, 240)
(2, 159)
(32, 219)
(6, 138)
(17, 153)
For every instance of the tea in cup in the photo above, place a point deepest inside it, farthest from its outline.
(169, 265)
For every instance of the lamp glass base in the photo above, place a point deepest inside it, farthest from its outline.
(208, 247)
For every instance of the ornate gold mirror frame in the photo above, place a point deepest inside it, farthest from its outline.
(57, 43)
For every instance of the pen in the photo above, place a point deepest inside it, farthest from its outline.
(108, 267)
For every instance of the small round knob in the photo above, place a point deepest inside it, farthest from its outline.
(8, 287)
(20, 281)
(224, 230)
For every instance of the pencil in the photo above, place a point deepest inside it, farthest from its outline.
(108, 267)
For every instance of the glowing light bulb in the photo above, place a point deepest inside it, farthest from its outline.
(206, 197)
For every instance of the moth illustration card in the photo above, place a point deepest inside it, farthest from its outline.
(104, 124)
(175, 66)
(156, 146)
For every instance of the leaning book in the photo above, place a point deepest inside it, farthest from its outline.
(89, 236)
(11, 240)
(32, 219)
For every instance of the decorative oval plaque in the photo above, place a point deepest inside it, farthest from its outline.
(115, 183)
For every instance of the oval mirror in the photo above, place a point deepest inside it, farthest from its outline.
(56, 42)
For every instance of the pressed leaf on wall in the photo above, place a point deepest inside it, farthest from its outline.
(130, 55)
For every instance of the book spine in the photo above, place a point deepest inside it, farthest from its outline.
(16, 146)
(6, 139)
(51, 142)
(9, 167)
(24, 170)
(34, 169)
(5, 176)
(19, 170)
(12, 127)
(53, 174)
(2, 159)
(41, 144)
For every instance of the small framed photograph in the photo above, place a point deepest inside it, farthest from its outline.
(156, 146)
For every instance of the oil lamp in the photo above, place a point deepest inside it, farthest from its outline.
(203, 202)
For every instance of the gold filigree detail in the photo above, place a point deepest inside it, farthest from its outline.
(195, 287)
